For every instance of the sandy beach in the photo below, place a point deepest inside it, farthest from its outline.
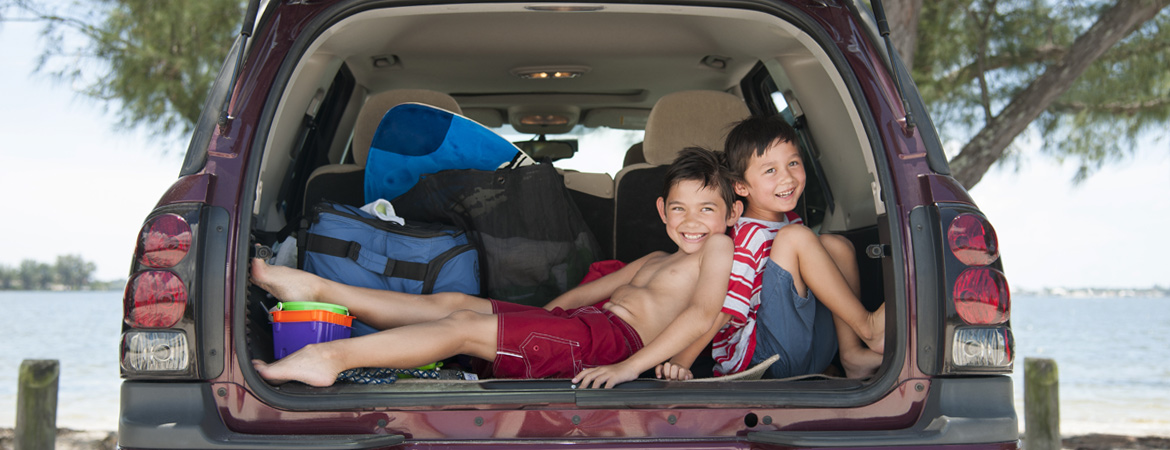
(68, 439)
(102, 440)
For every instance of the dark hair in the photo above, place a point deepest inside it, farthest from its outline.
(700, 164)
(753, 136)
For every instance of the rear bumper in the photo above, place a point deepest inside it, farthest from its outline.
(184, 416)
(966, 413)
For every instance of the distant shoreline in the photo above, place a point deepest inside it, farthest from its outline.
(1154, 292)
(94, 286)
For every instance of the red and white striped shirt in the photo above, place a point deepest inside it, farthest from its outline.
(735, 343)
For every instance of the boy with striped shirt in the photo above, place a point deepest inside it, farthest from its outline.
(792, 293)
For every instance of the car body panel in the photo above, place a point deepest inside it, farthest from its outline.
(902, 407)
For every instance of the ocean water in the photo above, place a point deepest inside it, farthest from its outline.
(79, 329)
(1111, 355)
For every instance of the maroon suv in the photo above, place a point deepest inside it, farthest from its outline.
(624, 85)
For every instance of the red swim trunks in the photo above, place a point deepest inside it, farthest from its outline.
(535, 343)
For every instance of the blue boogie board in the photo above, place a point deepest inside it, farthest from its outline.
(415, 139)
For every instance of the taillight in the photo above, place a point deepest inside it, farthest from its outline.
(982, 347)
(159, 330)
(978, 336)
(972, 240)
(154, 351)
(981, 296)
(155, 299)
(164, 241)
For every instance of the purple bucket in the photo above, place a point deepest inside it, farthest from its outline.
(288, 337)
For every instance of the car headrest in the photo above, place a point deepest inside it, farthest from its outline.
(688, 119)
(634, 155)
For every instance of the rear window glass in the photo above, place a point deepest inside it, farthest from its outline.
(599, 150)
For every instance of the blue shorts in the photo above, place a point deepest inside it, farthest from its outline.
(799, 329)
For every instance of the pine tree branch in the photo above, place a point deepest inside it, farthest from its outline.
(977, 69)
(990, 143)
(35, 14)
(1129, 108)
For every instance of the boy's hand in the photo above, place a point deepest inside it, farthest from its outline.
(673, 372)
(604, 376)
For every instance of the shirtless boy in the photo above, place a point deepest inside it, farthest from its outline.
(666, 301)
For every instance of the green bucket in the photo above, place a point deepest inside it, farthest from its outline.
(306, 306)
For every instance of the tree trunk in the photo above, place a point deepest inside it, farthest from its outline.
(989, 144)
(903, 19)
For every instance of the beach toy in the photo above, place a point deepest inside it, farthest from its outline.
(313, 315)
(297, 324)
(305, 306)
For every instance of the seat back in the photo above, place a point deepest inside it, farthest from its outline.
(678, 120)
(344, 183)
(634, 155)
(593, 194)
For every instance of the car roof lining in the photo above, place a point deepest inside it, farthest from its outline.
(641, 53)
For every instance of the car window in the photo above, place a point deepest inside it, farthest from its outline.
(779, 101)
(599, 150)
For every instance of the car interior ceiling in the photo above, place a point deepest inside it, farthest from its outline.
(749, 41)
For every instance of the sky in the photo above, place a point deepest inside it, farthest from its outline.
(71, 184)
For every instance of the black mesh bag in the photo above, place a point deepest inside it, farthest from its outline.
(534, 244)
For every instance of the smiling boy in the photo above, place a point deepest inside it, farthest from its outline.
(666, 301)
(791, 292)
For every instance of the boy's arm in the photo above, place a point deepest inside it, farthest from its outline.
(692, 323)
(687, 357)
(599, 289)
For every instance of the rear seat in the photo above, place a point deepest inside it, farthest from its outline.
(593, 194)
(634, 155)
(344, 183)
(678, 120)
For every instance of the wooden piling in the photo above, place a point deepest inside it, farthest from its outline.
(36, 404)
(1041, 404)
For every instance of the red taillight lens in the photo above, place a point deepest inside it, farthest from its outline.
(155, 299)
(164, 241)
(972, 240)
(976, 335)
(982, 297)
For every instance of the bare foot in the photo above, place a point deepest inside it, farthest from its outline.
(309, 365)
(284, 283)
(860, 363)
(876, 340)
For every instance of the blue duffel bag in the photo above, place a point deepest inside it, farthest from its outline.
(345, 244)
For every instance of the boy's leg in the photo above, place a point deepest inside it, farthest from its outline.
(785, 325)
(841, 251)
(378, 308)
(857, 359)
(799, 251)
(463, 332)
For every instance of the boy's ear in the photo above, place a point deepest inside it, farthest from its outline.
(741, 189)
(735, 213)
(662, 209)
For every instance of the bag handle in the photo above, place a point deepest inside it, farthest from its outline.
(369, 260)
